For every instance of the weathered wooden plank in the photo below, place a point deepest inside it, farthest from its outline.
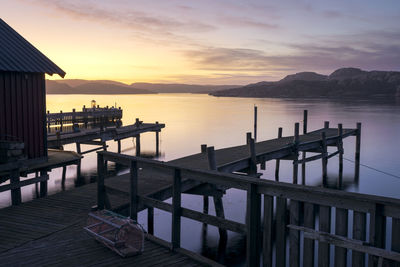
(267, 230)
(341, 222)
(309, 244)
(359, 233)
(176, 210)
(324, 226)
(294, 235)
(377, 232)
(346, 243)
(280, 242)
(253, 226)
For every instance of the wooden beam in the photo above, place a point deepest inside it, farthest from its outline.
(176, 210)
(253, 226)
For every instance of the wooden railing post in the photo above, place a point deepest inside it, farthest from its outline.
(296, 152)
(150, 220)
(357, 154)
(326, 124)
(377, 232)
(278, 161)
(255, 123)
(16, 192)
(294, 235)
(281, 223)
(157, 142)
(176, 210)
(248, 137)
(253, 159)
(43, 184)
(324, 226)
(268, 231)
(359, 233)
(341, 224)
(137, 145)
(100, 182)
(303, 165)
(133, 190)
(253, 226)
(309, 244)
(324, 158)
(340, 149)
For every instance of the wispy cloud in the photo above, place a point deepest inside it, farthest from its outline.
(247, 22)
(129, 18)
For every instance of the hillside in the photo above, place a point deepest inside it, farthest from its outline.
(79, 86)
(91, 87)
(345, 82)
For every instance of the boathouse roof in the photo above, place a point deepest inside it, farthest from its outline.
(17, 54)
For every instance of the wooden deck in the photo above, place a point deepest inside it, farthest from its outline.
(110, 133)
(52, 226)
(48, 231)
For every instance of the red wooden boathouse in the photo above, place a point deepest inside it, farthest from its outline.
(23, 92)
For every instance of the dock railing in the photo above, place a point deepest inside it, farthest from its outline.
(293, 217)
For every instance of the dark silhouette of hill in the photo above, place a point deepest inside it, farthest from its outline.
(79, 86)
(181, 88)
(345, 82)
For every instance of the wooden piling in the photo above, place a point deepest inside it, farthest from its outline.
(138, 145)
(100, 182)
(203, 148)
(63, 177)
(303, 165)
(15, 192)
(253, 160)
(357, 154)
(248, 137)
(43, 184)
(340, 149)
(119, 146)
(324, 159)
(278, 161)
(326, 124)
(150, 220)
(255, 122)
(78, 166)
(61, 121)
(296, 153)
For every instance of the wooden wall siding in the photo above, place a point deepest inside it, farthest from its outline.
(22, 111)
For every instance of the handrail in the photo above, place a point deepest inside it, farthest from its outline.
(317, 195)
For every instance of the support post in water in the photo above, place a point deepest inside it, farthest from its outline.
(248, 137)
(138, 145)
(157, 142)
(255, 123)
(303, 165)
(119, 146)
(43, 184)
(340, 149)
(15, 192)
(253, 160)
(324, 159)
(296, 153)
(278, 161)
(326, 124)
(357, 156)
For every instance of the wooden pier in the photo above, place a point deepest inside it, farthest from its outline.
(287, 222)
(87, 115)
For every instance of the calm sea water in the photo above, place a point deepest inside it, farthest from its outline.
(194, 119)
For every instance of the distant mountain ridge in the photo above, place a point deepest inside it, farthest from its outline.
(344, 82)
(79, 86)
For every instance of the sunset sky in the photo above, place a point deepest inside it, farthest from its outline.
(208, 41)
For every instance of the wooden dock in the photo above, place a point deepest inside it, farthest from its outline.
(292, 223)
(48, 231)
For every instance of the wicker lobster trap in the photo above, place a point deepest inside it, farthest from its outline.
(119, 233)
